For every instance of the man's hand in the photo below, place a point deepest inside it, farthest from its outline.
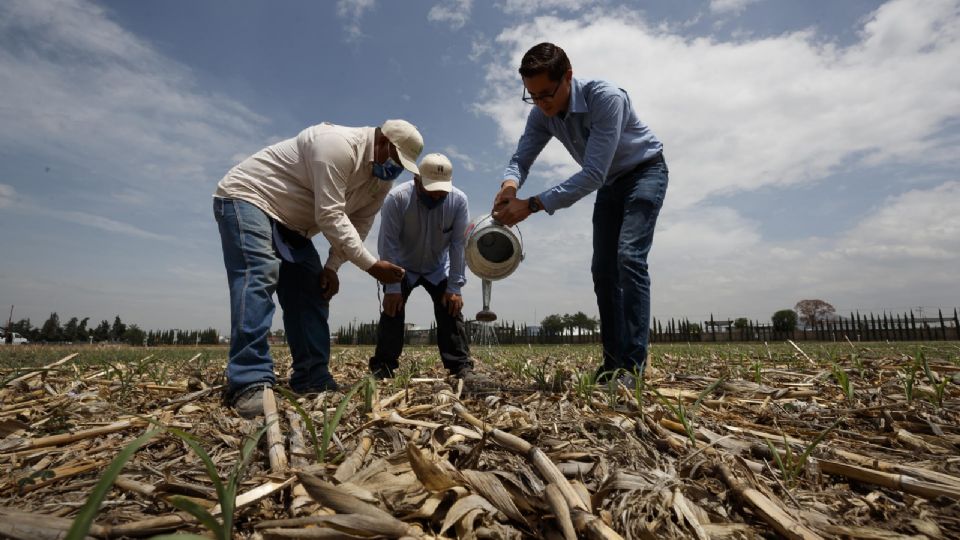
(512, 211)
(453, 302)
(508, 190)
(329, 283)
(386, 272)
(392, 304)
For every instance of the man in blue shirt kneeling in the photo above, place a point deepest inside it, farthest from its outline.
(622, 160)
(422, 226)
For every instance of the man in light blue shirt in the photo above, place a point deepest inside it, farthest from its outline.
(422, 226)
(622, 160)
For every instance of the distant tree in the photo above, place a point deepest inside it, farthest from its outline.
(784, 320)
(583, 322)
(552, 325)
(118, 329)
(27, 330)
(102, 331)
(82, 332)
(70, 329)
(51, 330)
(741, 323)
(813, 311)
(133, 335)
(568, 323)
(694, 329)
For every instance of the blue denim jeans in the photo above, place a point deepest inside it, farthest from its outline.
(255, 271)
(624, 217)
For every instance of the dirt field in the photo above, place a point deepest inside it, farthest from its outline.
(846, 440)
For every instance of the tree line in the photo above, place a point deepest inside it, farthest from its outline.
(79, 330)
(558, 325)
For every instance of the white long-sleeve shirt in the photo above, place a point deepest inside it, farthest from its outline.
(320, 181)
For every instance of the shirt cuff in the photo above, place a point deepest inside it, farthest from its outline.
(334, 262)
(453, 289)
(392, 288)
(546, 199)
(364, 261)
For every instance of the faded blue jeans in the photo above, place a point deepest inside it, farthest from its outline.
(255, 271)
(624, 217)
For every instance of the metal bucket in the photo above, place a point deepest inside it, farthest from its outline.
(493, 252)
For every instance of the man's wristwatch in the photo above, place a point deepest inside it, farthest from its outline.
(533, 205)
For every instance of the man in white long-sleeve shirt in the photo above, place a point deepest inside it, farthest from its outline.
(422, 227)
(328, 179)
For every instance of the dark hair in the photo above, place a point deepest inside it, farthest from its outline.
(544, 58)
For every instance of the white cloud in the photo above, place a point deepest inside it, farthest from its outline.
(94, 99)
(479, 47)
(8, 195)
(757, 113)
(917, 225)
(459, 159)
(530, 7)
(455, 13)
(776, 111)
(104, 224)
(730, 6)
(352, 11)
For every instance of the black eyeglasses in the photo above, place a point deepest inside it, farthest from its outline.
(543, 97)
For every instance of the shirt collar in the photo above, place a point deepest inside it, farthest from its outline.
(577, 102)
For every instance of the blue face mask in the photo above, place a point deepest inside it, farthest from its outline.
(388, 171)
(429, 201)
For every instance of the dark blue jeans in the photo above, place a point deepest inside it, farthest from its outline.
(624, 217)
(254, 272)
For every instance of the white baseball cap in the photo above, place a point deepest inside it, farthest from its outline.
(408, 141)
(436, 173)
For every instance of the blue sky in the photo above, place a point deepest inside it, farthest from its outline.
(812, 145)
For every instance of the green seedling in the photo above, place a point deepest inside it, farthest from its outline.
(612, 386)
(304, 416)
(843, 380)
(684, 414)
(584, 385)
(939, 389)
(81, 524)
(909, 378)
(791, 465)
(922, 360)
(330, 425)
(756, 372)
(226, 491)
(369, 393)
(540, 375)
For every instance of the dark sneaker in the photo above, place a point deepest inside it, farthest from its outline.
(474, 381)
(628, 380)
(329, 385)
(381, 372)
(248, 402)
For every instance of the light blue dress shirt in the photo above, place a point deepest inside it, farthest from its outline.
(601, 131)
(426, 242)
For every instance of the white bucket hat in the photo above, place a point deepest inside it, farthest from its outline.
(436, 173)
(408, 141)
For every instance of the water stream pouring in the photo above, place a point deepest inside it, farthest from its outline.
(493, 252)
